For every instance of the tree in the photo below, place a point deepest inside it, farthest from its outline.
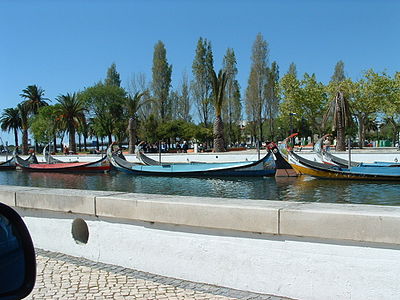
(255, 96)
(252, 106)
(271, 91)
(161, 80)
(105, 104)
(11, 120)
(47, 125)
(133, 104)
(292, 94)
(34, 98)
(84, 130)
(232, 111)
(339, 109)
(218, 85)
(292, 69)
(176, 129)
(72, 113)
(183, 101)
(314, 102)
(303, 100)
(385, 92)
(149, 130)
(202, 84)
(368, 97)
(338, 74)
(113, 77)
(24, 114)
(138, 84)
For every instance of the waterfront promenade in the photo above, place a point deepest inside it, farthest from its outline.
(61, 276)
(289, 249)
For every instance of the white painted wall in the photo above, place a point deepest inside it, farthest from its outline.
(301, 268)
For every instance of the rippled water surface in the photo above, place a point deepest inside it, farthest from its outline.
(292, 189)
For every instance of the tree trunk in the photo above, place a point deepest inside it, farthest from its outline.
(362, 131)
(271, 128)
(25, 141)
(261, 129)
(340, 141)
(72, 143)
(97, 143)
(132, 134)
(55, 144)
(85, 142)
(79, 142)
(16, 137)
(341, 134)
(219, 145)
(360, 122)
(109, 139)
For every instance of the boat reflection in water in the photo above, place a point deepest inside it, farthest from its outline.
(303, 188)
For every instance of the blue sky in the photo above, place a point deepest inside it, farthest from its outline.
(64, 46)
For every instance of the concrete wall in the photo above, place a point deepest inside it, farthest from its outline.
(297, 250)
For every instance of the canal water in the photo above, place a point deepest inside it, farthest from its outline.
(286, 189)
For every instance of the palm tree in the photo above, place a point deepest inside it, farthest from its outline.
(339, 109)
(24, 112)
(133, 105)
(218, 85)
(11, 120)
(84, 129)
(72, 111)
(34, 98)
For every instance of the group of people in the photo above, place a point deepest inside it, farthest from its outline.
(182, 148)
(164, 147)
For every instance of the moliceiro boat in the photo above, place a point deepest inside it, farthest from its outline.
(49, 159)
(260, 168)
(8, 164)
(100, 165)
(322, 170)
(329, 158)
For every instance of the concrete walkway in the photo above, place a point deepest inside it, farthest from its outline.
(60, 276)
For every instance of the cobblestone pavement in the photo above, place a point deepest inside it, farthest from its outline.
(61, 276)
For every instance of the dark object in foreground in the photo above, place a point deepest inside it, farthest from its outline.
(17, 256)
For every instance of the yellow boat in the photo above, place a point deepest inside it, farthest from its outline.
(321, 170)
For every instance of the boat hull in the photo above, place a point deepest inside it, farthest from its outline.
(264, 167)
(306, 167)
(99, 166)
(8, 165)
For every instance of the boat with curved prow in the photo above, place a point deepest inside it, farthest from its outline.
(328, 171)
(8, 164)
(49, 159)
(262, 167)
(329, 158)
(100, 165)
